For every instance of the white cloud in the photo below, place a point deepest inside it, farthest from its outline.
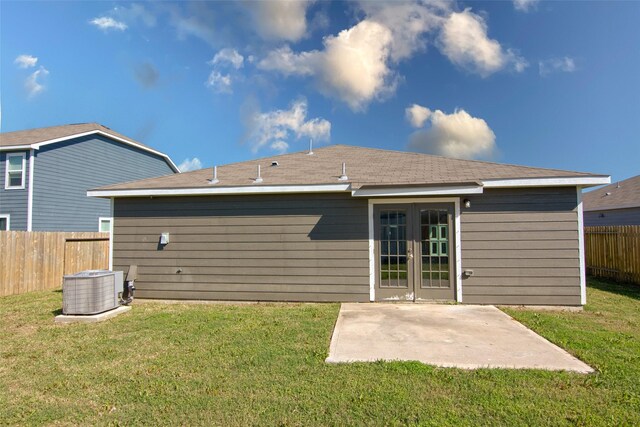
(220, 83)
(273, 128)
(408, 23)
(199, 23)
(525, 5)
(26, 61)
(106, 23)
(417, 115)
(190, 165)
(354, 64)
(456, 135)
(225, 59)
(33, 83)
(288, 63)
(352, 67)
(280, 19)
(565, 64)
(358, 65)
(279, 147)
(228, 56)
(135, 12)
(464, 40)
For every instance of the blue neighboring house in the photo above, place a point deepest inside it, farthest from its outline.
(47, 173)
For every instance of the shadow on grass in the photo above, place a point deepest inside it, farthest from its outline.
(56, 311)
(626, 289)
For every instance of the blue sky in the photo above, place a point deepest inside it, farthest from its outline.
(548, 84)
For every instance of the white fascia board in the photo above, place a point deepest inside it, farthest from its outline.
(270, 189)
(417, 191)
(587, 181)
(37, 145)
(16, 148)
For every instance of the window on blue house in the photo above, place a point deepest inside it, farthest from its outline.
(15, 171)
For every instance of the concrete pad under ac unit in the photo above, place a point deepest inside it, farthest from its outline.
(92, 318)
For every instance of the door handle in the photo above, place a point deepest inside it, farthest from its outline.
(409, 254)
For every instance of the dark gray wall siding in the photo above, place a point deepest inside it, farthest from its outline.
(629, 216)
(271, 248)
(522, 245)
(64, 172)
(14, 202)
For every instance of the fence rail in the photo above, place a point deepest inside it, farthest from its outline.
(613, 252)
(38, 260)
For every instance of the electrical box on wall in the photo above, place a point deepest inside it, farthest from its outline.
(164, 238)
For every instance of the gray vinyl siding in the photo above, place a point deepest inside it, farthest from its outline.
(266, 247)
(64, 172)
(629, 216)
(523, 247)
(14, 202)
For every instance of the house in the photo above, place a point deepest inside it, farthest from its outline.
(48, 171)
(355, 224)
(615, 204)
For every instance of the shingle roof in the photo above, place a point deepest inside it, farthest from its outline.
(619, 195)
(364, 167)
(34, 136)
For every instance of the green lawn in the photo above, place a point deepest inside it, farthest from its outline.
(264, 364)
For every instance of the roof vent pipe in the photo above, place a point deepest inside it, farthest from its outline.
(258, 180)
(344, 176)
(310, 153)
(215, 179)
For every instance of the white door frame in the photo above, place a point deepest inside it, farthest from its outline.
(372, 255)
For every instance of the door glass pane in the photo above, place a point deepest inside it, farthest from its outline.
(393, 249)
(435, 248)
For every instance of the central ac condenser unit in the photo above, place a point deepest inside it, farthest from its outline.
(91, 291)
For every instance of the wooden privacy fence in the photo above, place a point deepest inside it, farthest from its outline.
(613, 252)
(38, 260)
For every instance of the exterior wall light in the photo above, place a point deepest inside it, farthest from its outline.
(467, 203)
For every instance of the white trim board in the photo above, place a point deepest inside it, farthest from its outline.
(587, 181)
(458, 240)
(37, 145)
(417, 191)
(110, 219)
(257, 189)
(362, 192)
(583, 268)
(30, 191)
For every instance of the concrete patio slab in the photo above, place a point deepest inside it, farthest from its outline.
(461, 336)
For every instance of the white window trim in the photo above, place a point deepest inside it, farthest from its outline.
(8, 218)
(458, 239)
(110, 219)
(24, 171)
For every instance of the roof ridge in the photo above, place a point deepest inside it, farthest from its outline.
(459, 159)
